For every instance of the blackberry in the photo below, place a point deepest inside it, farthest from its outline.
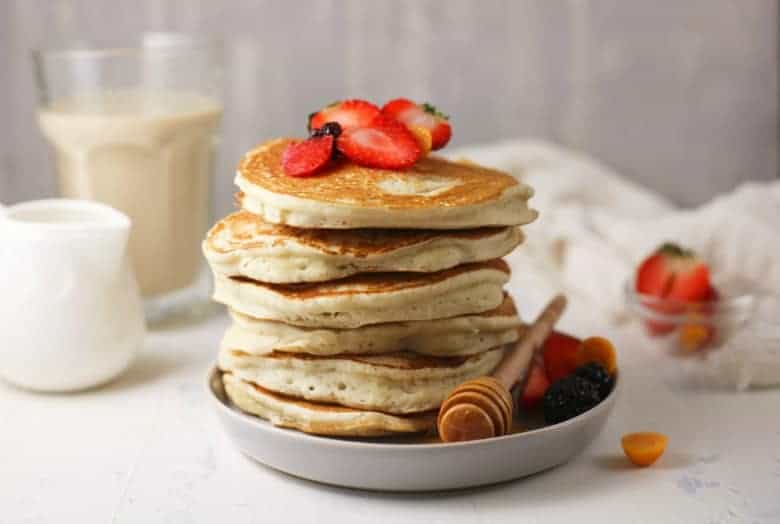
(328, 128)
(568, 397)
(595, 372)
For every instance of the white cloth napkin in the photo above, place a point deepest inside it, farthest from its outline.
(596, 226)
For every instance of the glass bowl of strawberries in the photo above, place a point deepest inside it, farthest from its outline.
(676, 301)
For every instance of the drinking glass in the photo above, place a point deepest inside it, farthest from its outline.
(136, 128)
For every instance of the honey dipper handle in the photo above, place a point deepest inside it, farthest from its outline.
(516, 362)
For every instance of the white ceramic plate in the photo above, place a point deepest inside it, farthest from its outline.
(393, 466)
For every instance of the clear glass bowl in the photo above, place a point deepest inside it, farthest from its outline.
(690, 325)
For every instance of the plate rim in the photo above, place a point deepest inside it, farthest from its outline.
(348, 443)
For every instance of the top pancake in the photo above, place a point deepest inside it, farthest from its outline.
(435, 193)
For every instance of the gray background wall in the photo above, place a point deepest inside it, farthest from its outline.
(680, 95)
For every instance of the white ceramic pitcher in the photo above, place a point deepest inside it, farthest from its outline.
(70, 310)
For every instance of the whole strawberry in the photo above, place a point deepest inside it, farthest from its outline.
(676, 275)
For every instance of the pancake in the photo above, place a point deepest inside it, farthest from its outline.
(395, 383)
(243, 245)
(369, 298)
(464, 335)
(321, 419)
(435, 193)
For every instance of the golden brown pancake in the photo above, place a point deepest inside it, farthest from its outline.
(373, 283)
(435, 193)
(399, 383)
(321, 418)
(245, 230)
(242, 244)
(345, 182)
(369, 298)
(456, 336)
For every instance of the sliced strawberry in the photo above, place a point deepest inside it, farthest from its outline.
(653, 276)
(348, 113)
(561, 355)
(308, 156)
(691, 282)
(422, 115)
(535, 387)
(674, 274)
(385, 143)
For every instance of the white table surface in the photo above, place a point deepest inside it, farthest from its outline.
(148, 449)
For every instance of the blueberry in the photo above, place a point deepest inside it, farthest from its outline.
(329, 128)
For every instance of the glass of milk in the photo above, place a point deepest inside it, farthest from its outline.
(136, 128)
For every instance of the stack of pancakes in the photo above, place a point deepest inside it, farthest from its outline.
(361, 297)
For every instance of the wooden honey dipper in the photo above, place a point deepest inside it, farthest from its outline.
(482, 407)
